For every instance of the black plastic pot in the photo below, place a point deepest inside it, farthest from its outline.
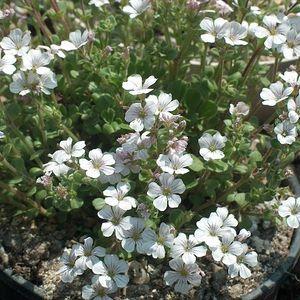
(14, 287)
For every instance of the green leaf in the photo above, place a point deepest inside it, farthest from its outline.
(179, 217)
(98, 203)
(197, 164)
(242, 169)
(208, 109)
(255, 156)
(76, 203)
(239, 198)
(217, 166)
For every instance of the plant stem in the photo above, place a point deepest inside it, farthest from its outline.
(203, 59)
(23, 197)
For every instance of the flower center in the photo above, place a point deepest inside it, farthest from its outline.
(167, 191)
(184, 272)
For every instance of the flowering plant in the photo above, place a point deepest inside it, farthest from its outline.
(156, 121)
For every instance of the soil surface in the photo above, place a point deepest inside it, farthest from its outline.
(32, 250)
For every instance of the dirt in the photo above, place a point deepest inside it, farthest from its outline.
(32, 250)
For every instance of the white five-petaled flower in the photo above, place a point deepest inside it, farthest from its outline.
(68, 150)
(216, 29)
(88, 256)
(209, 230)
(228, 250)
(241, 109)
(17, 43)
(174, 163)
(53, 50)
(7, 63)
(24, 83)
(235, 33)
(99, 163)
(275, 93)
(36, 60)
(155, 243)
(116, 196)
(211, 145)
(294, 109)
(69, 270)
(141, 116)
(290, 209)
(275, 33)
(185, 276)
(240, 267)
(115, 221)
(97, 291)
(167, 192)
(133, 237)
(112, 269)
(291, 78)
(291, 48)
(135, 86)
(187, 248)
(286, 132)
(136, 7)
(228, 219)
(76, 40)
(98, 3)
(56, 165)
(164, 103)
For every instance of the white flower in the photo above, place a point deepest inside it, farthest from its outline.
(209, 230)
(164, 103)
(2, 135)
(211, 145)
(115, 221)
(286, 132)
(17, 43)
(97, 291)
(275, 34)
(291, 48)
(243, 235)
(187, 248)
(7, 63)
(290, 208)
(36, 60)
(133, 237)
(216, 29)
(294, 109)
(228, 250)
(135, 86)
(116, 196)
(99, 163)
(155, 244)
(141, 117)
(88, 256)
(53, 50)
(174, 163)
(291, 77)
(241, 109)
(68, 151)
(235, 33)
(69, 270)
(98, 3)
(185, 276)
(112, 269)
(56, 165)
(136, 7)
(255, 10)
(228, 219)
(167, 192)
(76, 40)
(276, 93)
(24, 83)
(240, 267)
